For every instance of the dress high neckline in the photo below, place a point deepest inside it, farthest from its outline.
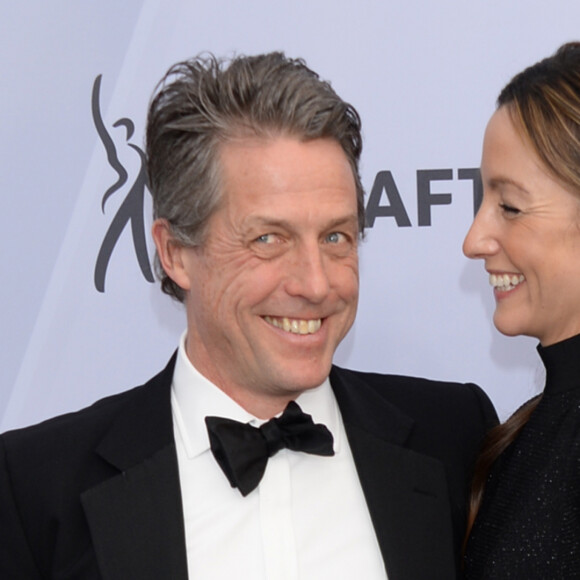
(562, 362)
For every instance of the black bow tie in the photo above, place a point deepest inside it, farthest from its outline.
(242, 451)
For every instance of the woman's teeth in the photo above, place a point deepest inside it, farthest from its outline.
(505, 282)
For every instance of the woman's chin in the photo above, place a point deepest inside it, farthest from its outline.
(507, 327)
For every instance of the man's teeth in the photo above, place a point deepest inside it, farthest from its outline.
(295, 325)
(505, 282)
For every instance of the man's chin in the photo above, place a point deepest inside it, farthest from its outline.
(300, 381)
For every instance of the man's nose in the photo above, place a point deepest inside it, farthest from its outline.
(308, 275)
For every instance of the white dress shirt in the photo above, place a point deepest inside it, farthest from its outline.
(307, 519)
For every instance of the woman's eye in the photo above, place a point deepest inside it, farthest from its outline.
(508, 208)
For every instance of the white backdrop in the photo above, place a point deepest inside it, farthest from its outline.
(423, 75)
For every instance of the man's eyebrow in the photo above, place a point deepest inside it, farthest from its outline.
(264, 220)
(499, 181)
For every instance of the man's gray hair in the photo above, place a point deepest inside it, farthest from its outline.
(205, 101)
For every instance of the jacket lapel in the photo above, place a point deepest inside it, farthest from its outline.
(406, 491)
(136, 517)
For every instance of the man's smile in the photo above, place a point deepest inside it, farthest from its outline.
(295, 325)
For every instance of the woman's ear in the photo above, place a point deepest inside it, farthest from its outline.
(170, 253)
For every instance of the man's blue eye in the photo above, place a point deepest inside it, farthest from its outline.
(334, 237)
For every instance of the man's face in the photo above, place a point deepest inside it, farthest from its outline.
(274, 288)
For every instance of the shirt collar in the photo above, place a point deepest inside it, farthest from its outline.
(193, 397)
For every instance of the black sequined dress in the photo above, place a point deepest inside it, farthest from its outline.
(528, 526)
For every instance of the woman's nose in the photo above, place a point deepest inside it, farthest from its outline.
(480, 240)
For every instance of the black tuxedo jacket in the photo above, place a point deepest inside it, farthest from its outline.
(96, 495)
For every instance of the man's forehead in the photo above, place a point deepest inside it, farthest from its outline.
(281, 155)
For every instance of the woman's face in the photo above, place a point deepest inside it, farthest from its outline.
(528, 232)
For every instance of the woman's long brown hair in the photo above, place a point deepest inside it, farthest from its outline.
(544, 104)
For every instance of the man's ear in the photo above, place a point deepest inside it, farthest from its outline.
(171, 253)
